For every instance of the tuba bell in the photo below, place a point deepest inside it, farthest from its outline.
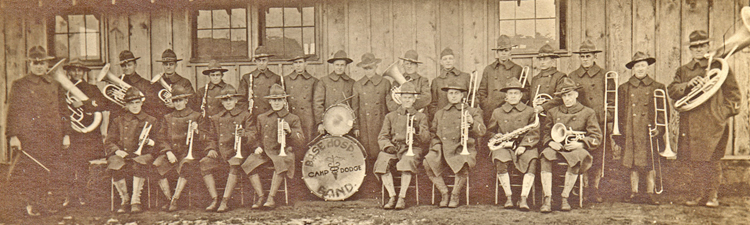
(116, 87)
(394, 73)
(74, 95)
(165, 93)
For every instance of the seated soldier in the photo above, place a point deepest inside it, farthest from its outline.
(520, 149)
(581, 134)
(404, 131)
(130, 147)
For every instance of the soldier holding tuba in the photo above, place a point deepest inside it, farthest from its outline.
(177, 145)
(410, 62)
(169, 80)
(404, 132)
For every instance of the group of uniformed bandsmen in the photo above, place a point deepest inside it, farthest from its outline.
(152, 137)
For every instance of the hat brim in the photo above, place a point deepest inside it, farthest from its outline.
(453, 88)
(129, 60)
(370, 63)
(588, 51)
(408, 92)
(168, 60)
(263, 56)
(650, 61)
(276, 96)
(305, 57)
(180, 96)
(506, 89)
(126, 100)
(410, 60)
(693, 43)
(228, 96)
(70, 67)
(348, 60)
(551, 55)
(565, 90)
(41, 59)
(207, 72)
(509, 47)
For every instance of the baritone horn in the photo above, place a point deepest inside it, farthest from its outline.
(394, 73)
(165, 93)
(116, 87)
(540, 99)
(72, 96)
(613, 77)
(563, 135)
(715, 77)
(660, 111)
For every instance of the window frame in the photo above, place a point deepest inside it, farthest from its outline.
(263, 6)
(102, 37)
(193, 16)
(561, 25)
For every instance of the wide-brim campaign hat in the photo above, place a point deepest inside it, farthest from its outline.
(408, 88)
(456, 84)
(503, 42)
(133, 94)
(547, 51)
(276, 92)
(168, 56)
(299, 55)
(587, 47)
(514, 84)
(127, 56)
(228, 92)
(368, 60)
(638, 57)
(566, 85)
(261, 52)
(340, 55)
(214, 65)
(76, 64)
(38, 53)
(698, 37)
(180, 92)
(411, 56)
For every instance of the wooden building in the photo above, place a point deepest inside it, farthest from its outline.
(197, 30)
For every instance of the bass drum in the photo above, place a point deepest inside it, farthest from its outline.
(338, 119)
(334, 167)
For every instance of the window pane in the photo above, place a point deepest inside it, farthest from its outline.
(92, 46)
(61, 25)
(526, 28)
(274, 17)
(507, 9)
(308, 39)
(61, 45)
(508, 27)
(292, 40)
(221, 34)
(92, 23)
(274, 42)
(77, 45)
(526, 10)
(204, 19)
(239, 42)
(545, 8)
(76, 23)
(204, 34)
(308, 16)
(220, 19)
(546, 31)
(238, 18)
(292, 17)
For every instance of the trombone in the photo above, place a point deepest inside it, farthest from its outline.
(614, 76)
(524, 76)
(661, 110)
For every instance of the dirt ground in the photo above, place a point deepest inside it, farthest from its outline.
(734, 210)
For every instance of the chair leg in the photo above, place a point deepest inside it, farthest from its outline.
(433, 194)
(416, 187)
(467, 190)
(286, 193)
(580, 192)
(112, 195)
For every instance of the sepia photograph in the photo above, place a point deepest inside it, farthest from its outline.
(374, 112)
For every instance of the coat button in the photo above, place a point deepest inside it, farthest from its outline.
(683, 134)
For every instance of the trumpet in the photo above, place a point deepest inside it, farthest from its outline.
(237, 141)
(116, 87)
(496, 142)
(661, 110)
(281, 136)
(614, 76)
(189, 140)
(561, 135)
(524, 76)
(464, 130)
(165, 93)
(143, 138)
(72, 96)
(410, 135)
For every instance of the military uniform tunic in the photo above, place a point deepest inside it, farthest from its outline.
(423, 87)
(152, 105)
(393, 134)
(636, 112)
(124, 133)
(507, 119)
(306, 100)
(578, 118)
(445, 147)
(268, 135)
(337, 88)
(370, 108)
(547, 81)
(495, 77)
(262, 82)
(222, 133)
(173, 136)
(446, 77)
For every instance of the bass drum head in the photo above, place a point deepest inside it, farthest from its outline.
(334, 167)
(338, 119)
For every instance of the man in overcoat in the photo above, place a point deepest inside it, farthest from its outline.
(152, 105)
(411, 62)
(338, 85)
(171, 79)
(258, 82)
(704, 130)
(306, 96)
(498, 75)
(448, 75)
(210, 105)
(546, 81)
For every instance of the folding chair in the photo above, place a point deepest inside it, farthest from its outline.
(415, 185)
(450, 185)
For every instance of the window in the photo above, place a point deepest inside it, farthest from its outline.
(220, 33)
(77, 36)
(288, 28)
(532, 23)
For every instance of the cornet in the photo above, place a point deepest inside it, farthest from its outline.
(563, 135)
(165, 93)
(410, 135)
(237, 141)
(281, 136)
(116, 87)
(143, 138)
(614, 76)
(189, 140)
(203, 102)
(75, 95)
(661, 110)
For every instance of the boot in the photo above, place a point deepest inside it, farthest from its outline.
(694, 202)
(504, 180)
(440, 185)
(135, 200)
(269, 202)
(213, 205)
(523, 205)
(401, 204)
(459, 183)
(444, 197)
(172, 205)
(135, 208)
(713, 199)
(652, 199)
(454, 201)
(546, 205)
(258, 202)
(391, 202)
(164, 186)
(181, 182)
(211, 186)
(565, 206)
(122, 189)
(223, 206)
(632, 197)
(508, 202)
(258, 187)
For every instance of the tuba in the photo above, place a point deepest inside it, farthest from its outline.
(281, 136)
(563, 135)
(715, 77)
(75, 95)
(394, 73)
(165, 93)
(116, 87)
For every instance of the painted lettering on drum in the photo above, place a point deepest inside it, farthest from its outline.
(344, 190)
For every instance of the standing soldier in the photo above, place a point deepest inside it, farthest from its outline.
(210, 105)
(153, 106)
(636, 99)
(169, 79)
(404, 131)
(514, 116)
(448, 75)
(369, 103)
(306, 96)
(447, 143)
(337, 85)
(129, 147)
(410, 61)
(37, 118)
(591, 78)
(86, 146)
(498, 75)
(573, 150)
(256, 84)
(230, 123)
(271, 145)
(547, 79)
(704, 131)
(176, 152)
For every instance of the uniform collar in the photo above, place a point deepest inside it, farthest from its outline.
(403, 111)
(281, 113)
(548, 72)
(305, 75)
(571, 110)
(636, 82)
(140, 116)
(444, 72)
(221, 85)
(172, 78)
(234, 112)
(375, 79)
(257, 72)
(507, 107)
(591, 71)
(457, 106)
(36, 78)
(335, 77)
(703, 63)
(507, 63)
(182, 113)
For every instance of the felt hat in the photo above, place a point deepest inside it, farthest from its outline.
(456, 84)
(408, 88)
(368, 59)
(340, 55)
(275, 92)
(640, 56)
(214, 65)
(133, 94)
(566, 85)
(127, 56)
(38, 53)
(261, 52)
(587, 47)
(411, 56)
(514, 84)
(179, 92)
(547, 51)
(299, 55)
(168, 56)
(76, 64)
(503, 42)
(698, 37)
(228, 92)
